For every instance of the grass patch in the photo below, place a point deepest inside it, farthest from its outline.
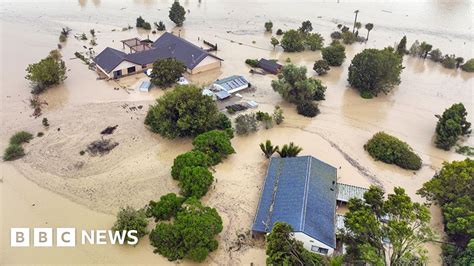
(20, 138)
(13, 152)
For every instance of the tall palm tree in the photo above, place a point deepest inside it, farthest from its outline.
(355, 20)
(368, 27)
(289, 150)
(268, 149)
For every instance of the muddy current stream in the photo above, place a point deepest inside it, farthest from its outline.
(53, 186)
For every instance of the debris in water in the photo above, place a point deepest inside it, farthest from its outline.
(109, 130)
(101, 147)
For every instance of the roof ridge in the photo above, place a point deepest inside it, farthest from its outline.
(305, 195)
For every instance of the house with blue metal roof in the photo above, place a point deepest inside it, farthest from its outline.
(300, 191)
(113, 63)
(231, 84)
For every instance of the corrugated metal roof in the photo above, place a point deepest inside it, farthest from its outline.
(300, 191)
(232, 82)
(346, 192)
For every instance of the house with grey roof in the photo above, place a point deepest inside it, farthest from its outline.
(300, 191)
(112, 63)
(231, 84)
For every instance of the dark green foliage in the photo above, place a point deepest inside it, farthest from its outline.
(290, 150)
(195, 181)
(245, 124)
(274, 41)
(451, 125)
(166, 208)
(334, 54)
(336, 35)
(83, 37)
(468, 66)
(223, 122)
(252, 62)
(402, 46)
(279, 32)
(375, 71)
(452, 189)
(160, 26)
(348, 37)
(45, 73)
(183, 112)
(366, 94)
(165, 72)
(13, 152)
(262, 115)
(146, 26)
(425, 48)
(295, 87)
(407, 228)
(268, 149)
(21, 137)
(215, 144)
(391, 150)
(321, 67)
(140, 22)
(92, 31)
(64, 34)
(268, 26)
(130, 219)
(282, 249)
(449, 62)
(307, 108)
(82, 152)
(368, 27)
(188, 159)
(465, 150)
(292, 41)
(40, 134)
(278, 115)
(314, 41)
(177, 14)
(459, 61)
(306, 26)
(436, 55)
(191, 235)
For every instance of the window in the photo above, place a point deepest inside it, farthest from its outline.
(131, 70)
(319, 250)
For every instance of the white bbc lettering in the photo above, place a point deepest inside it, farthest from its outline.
(101, 237)
(20, 237)
(132, 234)
(86, 236)
(66, 237)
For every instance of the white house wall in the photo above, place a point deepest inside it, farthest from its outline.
(308, 242)
(206, 64)
(124, 65)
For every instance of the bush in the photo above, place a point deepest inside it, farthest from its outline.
(45, 73)
(314, 41)
(195, 181)
(245, 124)
(336, 35)
(262, 116)
(307, 108)
(166, 208)
(278, 115)
(21, 137)
(215, 144)
(268, 26)
(468, 66)
(292, 41)
(130, 219)
(183, 112)
(279, 32)
(252, 62)
(146, 26)
(191, 235)
(334, 54)
(166, 72)
(436, 55)
(375, 71)
(45, 122)
(160, 26)
(188, 159)
(449, 62)
(451, 125)
(321, 67)
(13, 152)
(348, 37)
(391, 150)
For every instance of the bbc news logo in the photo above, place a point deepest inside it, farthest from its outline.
(66, 237)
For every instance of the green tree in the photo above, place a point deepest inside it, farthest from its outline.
(166, 72)
(195, 181)
(140, 22)
(165, 208)
(375, 71)
(278, 115)
(459, 61)
(268, 149)
(177, 14)
(348, 37)
(425, 48)
(13, 152)
(279, 32)
(368, 27)
(391, 150)
(274, 41)
(282, 249)
(402, 46)
(314, 41)
(451, 125)
(45, 73)
(321, 67)
(306, 27)
(215, 144)
(160, 26)
(191, 235)
(188, 159)
(292, 41)
(334, 54)
(468, 66)
(449, 61)
(290, 150)
(183, 112)
(268, 26)
(366, 229)
(130, 219)
(245, 124)
(436, 55)
(307, 108)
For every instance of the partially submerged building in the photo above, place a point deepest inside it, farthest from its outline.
(112, 63)
(300, 191)
(270, 66)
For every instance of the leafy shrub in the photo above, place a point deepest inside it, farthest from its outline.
(436, 55)
(13, 152)
(195, 181)
(261, 115)
(268, 26)
(188, 159)
(468, 66)
(166, 208)
(307, 108)
(166, 72)
(252, 62)
(279, 32)
(336, 35)
(289, 150)
(348, 37)
(245, 124)
(215, 144)
(130, 219)
(278, 115)
(21, 137)
(449, 62)
(146, 26)
(292, 41)
(334, 54)
(314, 41)
(366, 94)
(321, 67)
(160, 26)
(391, 150)
(451, 125)
(45, 73)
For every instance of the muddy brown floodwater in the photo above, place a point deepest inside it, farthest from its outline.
(54, 186)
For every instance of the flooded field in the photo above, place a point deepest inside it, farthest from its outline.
(56, 186)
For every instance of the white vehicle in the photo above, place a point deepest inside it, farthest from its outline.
(182, 81)
(148, 72)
